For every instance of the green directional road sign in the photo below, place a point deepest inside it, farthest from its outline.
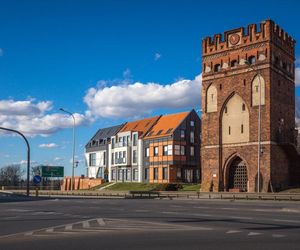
(52, 171)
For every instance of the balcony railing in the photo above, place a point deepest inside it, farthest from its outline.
(121, 144)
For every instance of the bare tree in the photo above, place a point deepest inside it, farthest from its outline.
(11, 175)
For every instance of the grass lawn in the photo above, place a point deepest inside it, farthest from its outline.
(100, 186)
(133, 187)
(149, 187)
(292, 190)
(191, 187)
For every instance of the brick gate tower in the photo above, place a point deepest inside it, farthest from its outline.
(247, 72)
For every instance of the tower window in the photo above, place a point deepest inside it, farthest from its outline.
(229, 130)
(217, 68)
(278, 82)
(220, 86)
(244, 82)
(226, 110)
(233, 63)
(251, 59)
(243, 107)
(242, 128)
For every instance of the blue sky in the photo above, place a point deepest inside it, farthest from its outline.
(74, 54)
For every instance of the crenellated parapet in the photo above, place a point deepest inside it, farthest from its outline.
(265, 43)
(236, 38)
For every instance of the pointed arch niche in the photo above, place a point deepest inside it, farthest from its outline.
(235, 121)
(255, 90)
(211, 99)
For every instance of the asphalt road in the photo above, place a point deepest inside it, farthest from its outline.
(149, 224)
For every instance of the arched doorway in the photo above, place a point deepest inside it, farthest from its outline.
(237, 175)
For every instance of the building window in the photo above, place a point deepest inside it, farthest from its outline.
(93, 159)
(155, 151)
(233, 63)
(165, 150)
(113, 174)
(135, 174)
(112, 142)
(242, 128)
(155, 173)
(104, 158)
(120, 174)
(192, 137)
(251, 59)
(178, 173)
(225, 110)
(243, 107)
(217, 67)
(192, 123)
(165, 173)
(112, 159)
(177, 149)
(135, 139)
(229, 130)
(147, 152)
(192, 150)
(128, 175)
(134, 158)
(182, 133)
(170, 149)
(146, 174)
(182, 150)
(124, 156)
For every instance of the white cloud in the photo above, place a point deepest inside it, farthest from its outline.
(1, 52)
(34, 118)
(157, 56)
(49, 145)
(58, 159)
(138, 99)
(297, 76)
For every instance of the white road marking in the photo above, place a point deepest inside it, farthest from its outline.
(290, 221)
(253, 234)
(233, 231)
(142, 211)
(28, 233)
(85, 224)
(50, 230)
(202, 207)
(175, 206)
(168, 212)
(69, 227)
(101, 222)
(18, 210)
(241, 218)
(229, 208)
(278, 235)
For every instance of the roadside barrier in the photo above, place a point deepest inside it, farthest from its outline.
(164, 195)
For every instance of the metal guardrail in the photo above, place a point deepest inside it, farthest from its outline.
(167, 194)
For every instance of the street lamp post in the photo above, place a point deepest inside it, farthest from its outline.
(28, 154)
(73, 155)
(259, 124)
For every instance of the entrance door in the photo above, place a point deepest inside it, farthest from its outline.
(238, 177)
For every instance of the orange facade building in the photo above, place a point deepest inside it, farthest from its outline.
(172, 149)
